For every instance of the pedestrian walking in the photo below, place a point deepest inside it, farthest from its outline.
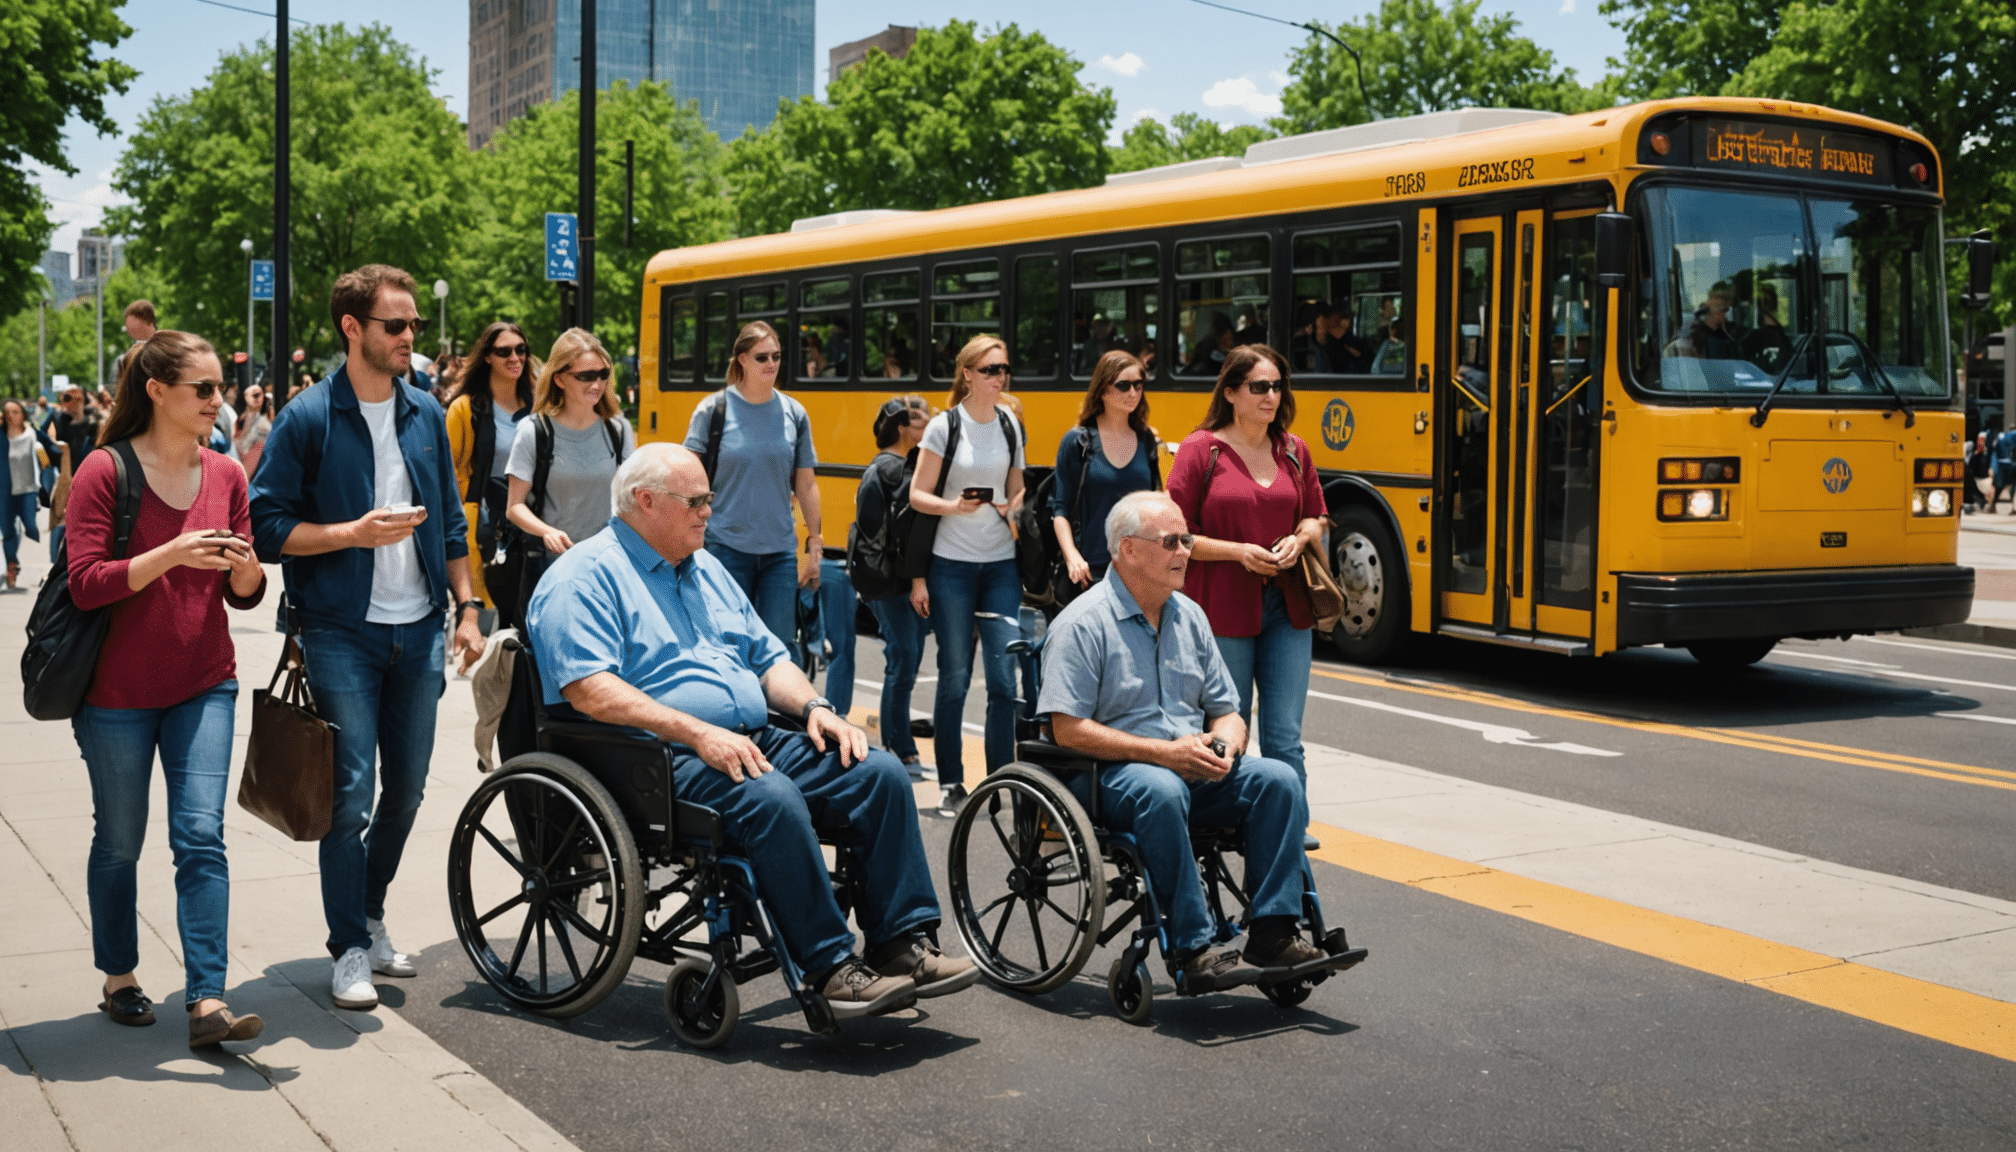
(1110, 453)
(357, 488)
(76, 431)
(973, 450)
(255, 423)
(756, 443)
(166, 679)
(1980, 471)
(494, 393)
(1248, 487)
(24, 460)
(2005, 469)
(899, 427)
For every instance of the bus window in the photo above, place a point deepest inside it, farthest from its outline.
(965, 302)
(1572, 399)
(763, 301)
(825, 330)
(889, 325)
(1221, 300)
(1349, 304)
(1034, 353)
(677, 344)
(717, 335)
(1115, 303)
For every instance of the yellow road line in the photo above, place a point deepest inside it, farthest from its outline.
(1858, 757)
(1963, 1019)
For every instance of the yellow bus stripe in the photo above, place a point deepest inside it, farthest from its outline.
(1949, 1015)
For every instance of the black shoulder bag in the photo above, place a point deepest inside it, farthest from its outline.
(63, 639)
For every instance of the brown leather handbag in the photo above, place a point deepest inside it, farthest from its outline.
(290, 762)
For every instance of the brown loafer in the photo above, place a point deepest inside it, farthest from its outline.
(220, 1026)
(128, 1006)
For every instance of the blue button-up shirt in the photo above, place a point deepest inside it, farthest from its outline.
(684, 635)
(1103, 662)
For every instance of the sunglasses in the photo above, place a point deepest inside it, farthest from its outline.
(995, 370)
(694, 503)
(396, 326)
(1129, 385)
(204, 388)
(767, 357)
(509, 351)
(1170, 542)
(590, 376)
(1262, 387)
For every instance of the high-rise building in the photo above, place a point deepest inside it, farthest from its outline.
(97, 256)
(56, 266)
(736, 59)
(896, 40)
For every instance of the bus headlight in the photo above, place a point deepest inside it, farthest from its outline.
(1931, 502)
(1699, 504)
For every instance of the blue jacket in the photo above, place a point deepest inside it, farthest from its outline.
(317, 469)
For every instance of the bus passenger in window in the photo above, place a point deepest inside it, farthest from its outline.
(815, 353)
(1391, 359)
(1302, 341)
(1207, 355)
(1712, 336)
(1098, 341)
(1110, 453)
(1767, 345)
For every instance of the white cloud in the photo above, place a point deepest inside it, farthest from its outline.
(1144, 114)
(1567, 7)
(1244, 95)
(1281, 79)
(1125, 64)
(75, 202)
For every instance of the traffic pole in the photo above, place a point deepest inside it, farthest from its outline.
(584, 298)
(283, 144)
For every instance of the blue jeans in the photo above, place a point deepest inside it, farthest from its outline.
(836, 621)
(770, 580)
(1278, 661)
(1260, 796)
(55, 541)
(380, 684)
(118, 744)
(21, 507)
(902, 655)
(959, 589)
(766, 817)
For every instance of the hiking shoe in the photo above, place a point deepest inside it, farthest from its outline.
(950, 798)
(1289, 952)
(221, 1025)
(385, 959)
(351, 985)
(1215, 971)
(933, 972)
(854, 989)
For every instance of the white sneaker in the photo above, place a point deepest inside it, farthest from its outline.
(385, 959)
(351, 987)
(950, 797)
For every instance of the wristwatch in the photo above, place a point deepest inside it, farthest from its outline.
(467, 604)
(805, 717)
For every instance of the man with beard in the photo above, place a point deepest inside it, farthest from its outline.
(357, 489)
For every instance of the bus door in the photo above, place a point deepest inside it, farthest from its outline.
(1557, 600)
(1469, 414)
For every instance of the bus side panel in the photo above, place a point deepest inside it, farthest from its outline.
(1415, 521)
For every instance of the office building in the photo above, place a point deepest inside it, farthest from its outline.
(737, 60)
(56, 266)
(97, 256)
(895, 40)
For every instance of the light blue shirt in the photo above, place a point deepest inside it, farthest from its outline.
(1102, 662)
(762, 447)
(684, 635)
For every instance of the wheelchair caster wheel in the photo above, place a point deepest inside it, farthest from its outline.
(699, 1018)
(1132, 991)
(1288, 993)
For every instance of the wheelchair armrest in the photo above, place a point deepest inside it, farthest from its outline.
(1057, 759)
(598, 732)
(788, 723)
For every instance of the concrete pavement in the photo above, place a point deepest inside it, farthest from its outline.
(1987, 545)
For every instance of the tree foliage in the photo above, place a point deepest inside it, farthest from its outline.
(962, 118)
(1688, 47)
(50, 70)
(1188, 137)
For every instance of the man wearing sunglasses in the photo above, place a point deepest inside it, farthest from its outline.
(1132, 676)
(356, 489)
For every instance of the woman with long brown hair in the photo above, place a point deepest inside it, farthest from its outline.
(494, 391)
(1248, 487)
(1110, 453)
(166, 677)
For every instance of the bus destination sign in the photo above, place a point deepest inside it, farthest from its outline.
(1790, 150)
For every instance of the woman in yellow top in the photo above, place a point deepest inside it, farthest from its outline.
(496, 393)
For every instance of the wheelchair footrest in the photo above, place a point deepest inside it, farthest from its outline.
(1329, 964)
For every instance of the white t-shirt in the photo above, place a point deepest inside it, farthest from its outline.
(398, 582)
(227, 423)
(980, 461)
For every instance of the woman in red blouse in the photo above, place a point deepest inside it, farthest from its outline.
(166, 678)
(1248, 487)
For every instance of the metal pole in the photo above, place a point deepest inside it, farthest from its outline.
(42, 346)
(629, 189)
(584, 301)
(249, 346)
(98, 281)
(283, 144)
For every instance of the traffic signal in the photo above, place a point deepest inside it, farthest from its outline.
(241, 365)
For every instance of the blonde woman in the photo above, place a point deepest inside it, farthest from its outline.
(565, 454)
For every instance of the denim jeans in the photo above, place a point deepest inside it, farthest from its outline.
(20, 507)
(118, 744)
(55, 541)
(767, 819)
(1278, 661)
(1260, 796)
(902, 655)
(770, 580)
(960, 589)
(380, 684)
(836, 623)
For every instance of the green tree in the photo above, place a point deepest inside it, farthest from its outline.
(529, 170)
(50, 70)
(1188, 137)
(379, 175)
(1688, 47)
(1420, 57)
(69, 344)
(963, 118)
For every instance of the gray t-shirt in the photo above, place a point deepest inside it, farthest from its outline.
(506, 426)
(577, 485)
(762, 447)
(21, 462)
(980, 461)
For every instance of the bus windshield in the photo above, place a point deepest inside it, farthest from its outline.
(1838, 297)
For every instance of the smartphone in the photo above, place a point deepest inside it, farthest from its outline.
(983, 495)
(400, 513)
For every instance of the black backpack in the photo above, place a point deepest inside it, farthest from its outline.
(919, 532)
(523, 554)
(1038, 512)
(875, 560)
(63, 639)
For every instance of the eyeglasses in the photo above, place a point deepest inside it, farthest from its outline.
(398, 325)
(694, 503)
(509, 351)
(1262, 387)
(767, 357)
(995, 370)
(590, 376)
(1170, 542)
(204, 388)
(1129, 385)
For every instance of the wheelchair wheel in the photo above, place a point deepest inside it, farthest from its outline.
(700, 1018)
(1028, 884)
(545, 885)
(1132, 991)
(1288, 993)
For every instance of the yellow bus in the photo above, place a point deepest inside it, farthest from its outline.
(1675, 373)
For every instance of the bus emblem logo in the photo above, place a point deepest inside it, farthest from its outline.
(1338, 425)
(1835, 475)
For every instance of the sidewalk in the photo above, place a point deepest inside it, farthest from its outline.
(320, 1078)
(1987, 545)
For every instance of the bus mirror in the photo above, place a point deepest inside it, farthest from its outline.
(1980, 270)
(1613, 249)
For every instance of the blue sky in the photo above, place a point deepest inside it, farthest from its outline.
(1159, 57)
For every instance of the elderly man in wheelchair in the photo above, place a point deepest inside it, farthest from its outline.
(638, 627)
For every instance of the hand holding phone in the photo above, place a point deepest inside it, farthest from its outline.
(983, 495)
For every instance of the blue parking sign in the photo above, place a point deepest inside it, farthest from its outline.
(262, 280)
(560, 246)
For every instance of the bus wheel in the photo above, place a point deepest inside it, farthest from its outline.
(1372, 574)
(1729, 655)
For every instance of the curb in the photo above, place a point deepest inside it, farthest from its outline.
(1995, 636)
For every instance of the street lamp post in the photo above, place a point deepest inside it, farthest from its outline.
(245, 246)
(441, 294)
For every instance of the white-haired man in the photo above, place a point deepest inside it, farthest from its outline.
(638, 626)
(1132, 676)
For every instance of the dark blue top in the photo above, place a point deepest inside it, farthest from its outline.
(1104, 486)
(317, 469)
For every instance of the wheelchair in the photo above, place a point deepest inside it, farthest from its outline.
(577, 856)
(1033, 874)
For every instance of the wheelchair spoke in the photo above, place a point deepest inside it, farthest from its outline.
(516, 865)
(516, 899)
(541, 920)
(1036, 930)
(994, 822)
(524, 938)
(993, 904)
(565, 841)
(1063, 915)
(566, 948)
(564, 911)
(1006, 913)
(577, 881)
